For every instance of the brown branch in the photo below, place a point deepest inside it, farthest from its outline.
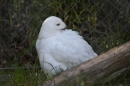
(109, 64)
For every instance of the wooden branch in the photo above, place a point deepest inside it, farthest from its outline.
(109, 64)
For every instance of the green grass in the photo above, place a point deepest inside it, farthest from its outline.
(24, 77)
(34, 77)
(121, 80)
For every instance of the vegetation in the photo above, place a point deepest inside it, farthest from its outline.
(23, 77)
(103, 23)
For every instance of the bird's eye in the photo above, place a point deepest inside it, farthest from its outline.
(58, 24)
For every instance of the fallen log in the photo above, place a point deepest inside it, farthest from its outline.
(106, 66)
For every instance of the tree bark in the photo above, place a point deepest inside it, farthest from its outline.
(106, 66)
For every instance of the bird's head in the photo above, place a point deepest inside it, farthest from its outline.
(51, 27)
(53, 23)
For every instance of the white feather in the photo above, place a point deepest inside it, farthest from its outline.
(61, 49)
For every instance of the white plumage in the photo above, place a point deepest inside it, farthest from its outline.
(59, 48)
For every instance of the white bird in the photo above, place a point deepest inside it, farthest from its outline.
(59, 48)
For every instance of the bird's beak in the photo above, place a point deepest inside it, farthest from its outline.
(65, 28)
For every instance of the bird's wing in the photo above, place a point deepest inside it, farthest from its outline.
(70, 47)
